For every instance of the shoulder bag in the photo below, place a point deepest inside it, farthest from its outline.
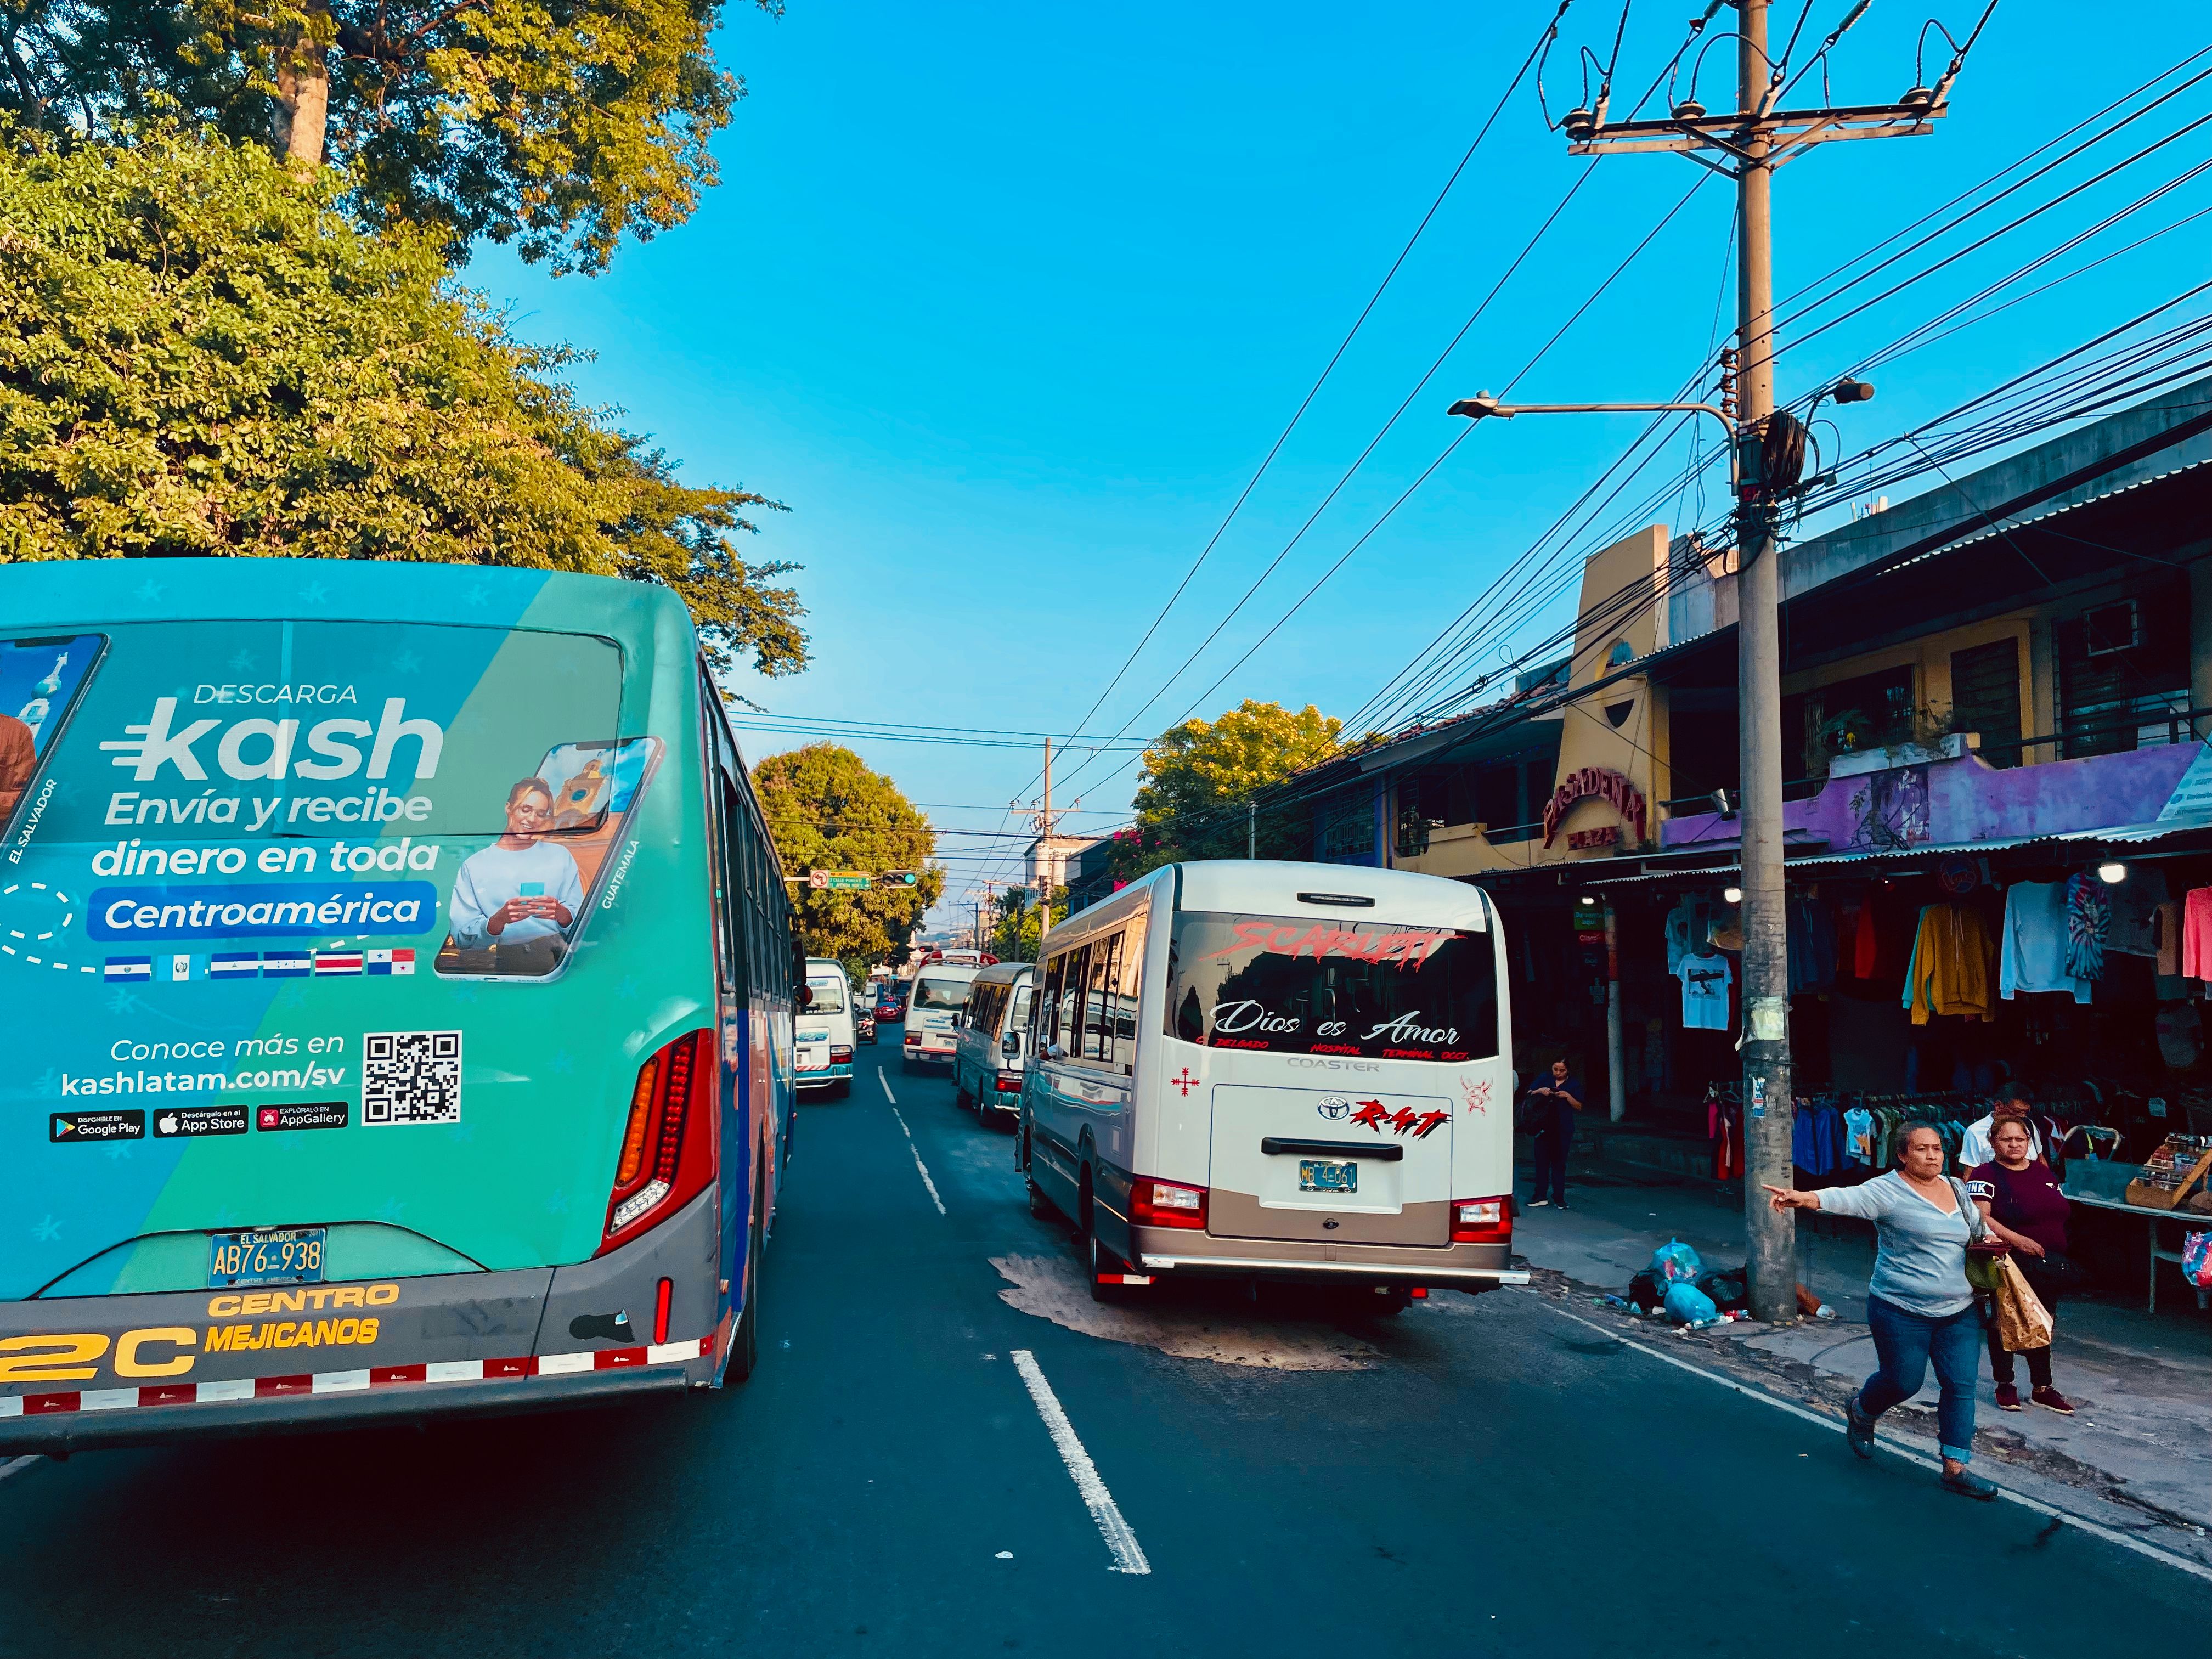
(1986, 1253)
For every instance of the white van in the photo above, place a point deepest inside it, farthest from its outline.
(823, 1030)
(1278, 1070)
(939, 993)
(991, 1039)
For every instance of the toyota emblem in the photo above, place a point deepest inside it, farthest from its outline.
(1333, 1109)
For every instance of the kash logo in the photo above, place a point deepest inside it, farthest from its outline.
(251, 749)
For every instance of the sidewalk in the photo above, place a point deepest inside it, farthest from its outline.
(2141, 1383)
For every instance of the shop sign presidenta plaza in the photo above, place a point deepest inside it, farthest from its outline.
(1605, 784)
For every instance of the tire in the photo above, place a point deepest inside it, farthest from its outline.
(1097, 1259)
(959, 1089)
(745, 1342)
(1040, 1206)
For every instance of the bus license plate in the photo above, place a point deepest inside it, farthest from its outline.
(1314, 1177)
(274, 1256)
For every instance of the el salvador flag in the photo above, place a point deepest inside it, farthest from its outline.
(130, 968)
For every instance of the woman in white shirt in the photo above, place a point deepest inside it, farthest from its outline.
(518, 896)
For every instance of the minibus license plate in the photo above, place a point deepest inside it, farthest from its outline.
(274, 1256)
(1315, 1176)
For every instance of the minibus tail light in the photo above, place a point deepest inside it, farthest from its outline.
(839, 1054)
(1482, 1221)
(1167, 1204)
(667, 1153)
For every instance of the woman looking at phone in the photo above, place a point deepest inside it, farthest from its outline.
(519, 895)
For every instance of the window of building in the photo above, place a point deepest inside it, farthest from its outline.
(2123, 674)
(1985, 698)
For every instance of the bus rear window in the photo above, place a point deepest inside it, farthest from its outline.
(930, 992)
(1370, 989)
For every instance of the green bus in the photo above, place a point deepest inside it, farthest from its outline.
(400, 987)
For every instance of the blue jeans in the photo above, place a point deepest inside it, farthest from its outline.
(1905, 1342)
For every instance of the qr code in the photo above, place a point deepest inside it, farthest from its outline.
(410, 1077)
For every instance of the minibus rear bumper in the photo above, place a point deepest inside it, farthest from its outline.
(1462, 1267)
(180, 1364)
(822, 1076)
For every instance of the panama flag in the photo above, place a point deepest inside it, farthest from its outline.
(285, 964)
(337, 962)
(391, 962)
(234, 964)
(130, 968)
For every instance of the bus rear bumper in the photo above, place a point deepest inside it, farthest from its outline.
(56, 1429)
(1460, 1266)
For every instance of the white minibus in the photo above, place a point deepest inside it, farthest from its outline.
(990, 1039)
(1277, 1070)
(939, 993)
(825, 1031)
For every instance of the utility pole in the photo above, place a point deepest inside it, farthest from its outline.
(1751, 142)
(1251, 830)
(1048, 865)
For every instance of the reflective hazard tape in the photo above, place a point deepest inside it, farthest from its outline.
(375, 1377)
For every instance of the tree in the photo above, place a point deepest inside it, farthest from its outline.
(564, 125)
(828, 810)
(1014, 935)
(198, 355)
(1199, 778)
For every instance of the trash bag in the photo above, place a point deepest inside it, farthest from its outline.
(1676, 1261)
(2196, 1260)
(1729, 1288)
(1688, 1305)
(1647, 1292)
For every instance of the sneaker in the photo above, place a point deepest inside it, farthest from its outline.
(2052, 1400)
(2009, 1398)
(1540, 1203)
(1968, 1483)
(1559, 1204)
(1858, 1428)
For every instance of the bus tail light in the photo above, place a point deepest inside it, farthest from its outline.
(1167, 1204)
(667, 1151)
(1482, 1221)
(1009, 1083)
(839, 1054)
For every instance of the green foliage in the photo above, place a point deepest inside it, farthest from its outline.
(560, 125)
(1014, 934)
(828, 810)
(1198, 778)
(199, 355)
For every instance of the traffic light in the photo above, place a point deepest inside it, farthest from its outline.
(897, 878)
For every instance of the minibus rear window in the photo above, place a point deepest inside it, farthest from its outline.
(930, 993)
(1371, 990)
(828, 994)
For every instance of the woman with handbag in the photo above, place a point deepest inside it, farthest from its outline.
(1920, 1306)
(2019, 1199)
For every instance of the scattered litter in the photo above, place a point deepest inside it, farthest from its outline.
(1006, 1555)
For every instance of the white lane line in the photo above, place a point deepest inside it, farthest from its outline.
(916, 1150)
(1128, 1557)
(885, 1079)
(1912, 1453)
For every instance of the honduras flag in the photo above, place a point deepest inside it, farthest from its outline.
(286, 964)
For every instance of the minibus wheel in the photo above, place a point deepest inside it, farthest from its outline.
(745, 1342)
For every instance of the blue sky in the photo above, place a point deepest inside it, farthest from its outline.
(1006, 302)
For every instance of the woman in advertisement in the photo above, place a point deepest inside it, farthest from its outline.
(515, 900)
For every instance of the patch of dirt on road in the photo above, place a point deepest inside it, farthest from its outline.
(1182, 1323)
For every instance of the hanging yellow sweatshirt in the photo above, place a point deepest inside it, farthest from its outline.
(1950, 972)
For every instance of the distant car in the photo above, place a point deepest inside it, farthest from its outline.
(890, 1004)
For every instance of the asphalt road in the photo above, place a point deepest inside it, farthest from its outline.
(1477, 1477)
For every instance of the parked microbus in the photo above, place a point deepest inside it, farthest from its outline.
(399, 984)
(940, 991)
(990, 1035)
(1279, 1070)
(824, 1030)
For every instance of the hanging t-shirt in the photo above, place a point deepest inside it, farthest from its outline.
(1705, 982)
(2089, 921)
(1679, 923)
(2035, 944)
(2136, 902)
(2197, 933)
(1858, 1136)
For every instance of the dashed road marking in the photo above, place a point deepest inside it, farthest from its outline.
(1128, 1556)
(916, 1150)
